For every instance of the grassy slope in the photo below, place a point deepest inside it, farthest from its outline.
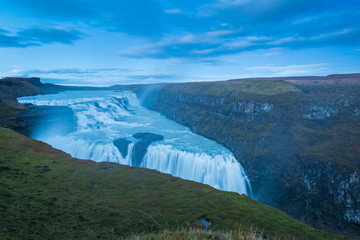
(237, 90)
(9, 108)
(193, 234)
(44, 193)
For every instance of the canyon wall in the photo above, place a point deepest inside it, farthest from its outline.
(299, 144)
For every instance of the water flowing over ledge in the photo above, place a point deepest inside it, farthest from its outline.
(104, 116)
(221, 172)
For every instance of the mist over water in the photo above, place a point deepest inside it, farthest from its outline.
(104, 116)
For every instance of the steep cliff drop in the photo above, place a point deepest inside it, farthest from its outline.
(113, 126)
(299, 144)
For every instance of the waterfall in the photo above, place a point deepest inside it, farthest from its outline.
(221, 172)
(104, 116)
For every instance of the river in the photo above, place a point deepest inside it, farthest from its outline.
(103, 118)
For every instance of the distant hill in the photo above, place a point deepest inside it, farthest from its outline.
(333, 78)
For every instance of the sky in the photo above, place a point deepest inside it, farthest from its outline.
(107, 42)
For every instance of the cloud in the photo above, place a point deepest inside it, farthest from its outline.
(248, 11)
(50, 35)
(14, 41)
(135, 17)
(186, 44)
(3, 31)
(197, 29)
(256, 25)
(62, 10)
(106, 80)
(173, 11)
(218, 43)
(74, 71)
(88, 76)
(78, 82)
(291, 70)
(39, 36)
(154, 77)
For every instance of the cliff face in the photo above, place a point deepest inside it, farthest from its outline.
(11, 88)
(299, 144)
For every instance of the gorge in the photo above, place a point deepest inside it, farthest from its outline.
(297, 139)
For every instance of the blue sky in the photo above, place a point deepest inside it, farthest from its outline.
(107, 42)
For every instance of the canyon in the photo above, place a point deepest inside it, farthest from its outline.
(297, 138)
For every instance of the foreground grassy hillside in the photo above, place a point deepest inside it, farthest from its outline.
(44, 193)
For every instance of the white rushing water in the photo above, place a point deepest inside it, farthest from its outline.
(104, 116)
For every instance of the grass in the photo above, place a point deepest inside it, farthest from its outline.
(234, 89)
(10, 108)
(193, 234)
(46, 194)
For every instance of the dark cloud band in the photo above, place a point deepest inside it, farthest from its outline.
(39, 36)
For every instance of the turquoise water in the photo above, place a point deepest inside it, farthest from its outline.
(103, 116)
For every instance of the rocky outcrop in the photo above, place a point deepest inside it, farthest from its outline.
(140, 148)
(122, 145)
(142, 141)
(327, 108)
(12, 88)
(246, 109)
(301, 150)
(330, 180)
